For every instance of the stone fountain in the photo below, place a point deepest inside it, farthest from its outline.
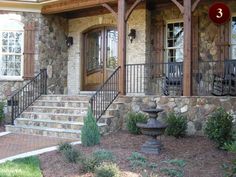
(153, 128)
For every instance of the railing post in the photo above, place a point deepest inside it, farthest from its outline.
(12, 111)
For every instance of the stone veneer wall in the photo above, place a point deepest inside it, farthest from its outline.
(53, 52)
(137, 52)
(197, 109)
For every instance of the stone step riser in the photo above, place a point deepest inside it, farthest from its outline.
(64, 98)
(76, 118)
(62, 104)
(57, 110)
(66, 126)
(48, 133)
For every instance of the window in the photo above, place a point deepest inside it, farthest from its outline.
(11, 47)
(174, 42)
(233, 38)
(101, 49)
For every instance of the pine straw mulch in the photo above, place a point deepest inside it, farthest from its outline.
(202, 158)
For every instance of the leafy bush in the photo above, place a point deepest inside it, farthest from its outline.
(107, 170)
(64, 147)
(177, 125)
(231, 147)
(90, 135)
(2, 115)
(88, 164)
(172, 172)
(104, 156)
(134, 118)
(219, 127)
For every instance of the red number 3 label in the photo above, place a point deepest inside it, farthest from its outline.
(219, 13)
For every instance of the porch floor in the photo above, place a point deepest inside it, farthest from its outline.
(15, 144)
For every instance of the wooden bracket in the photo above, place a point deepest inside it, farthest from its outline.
(108, 7)
(180, 6)
(194, 6)
(128, 13)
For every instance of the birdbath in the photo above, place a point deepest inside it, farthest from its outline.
(152, 128)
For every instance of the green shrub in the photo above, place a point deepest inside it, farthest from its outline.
(90, 135)
(177, 125)
(2, 115)
(88, 164)
(219, 127)
(64, 147)
(104, 156)
(231, 147)
(72, 155)
(134, 118)
(107, 170)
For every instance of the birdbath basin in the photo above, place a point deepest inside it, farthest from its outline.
(152, 128)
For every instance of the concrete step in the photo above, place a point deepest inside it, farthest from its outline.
(57, 110)
(51, 123)
(45, 131)
(65, 97)
(53, 103)
(53, 116)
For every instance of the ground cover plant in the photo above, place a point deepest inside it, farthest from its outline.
(26, 167)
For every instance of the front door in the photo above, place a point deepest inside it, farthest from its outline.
(100, 56)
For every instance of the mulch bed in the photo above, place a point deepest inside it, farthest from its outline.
(202, 157)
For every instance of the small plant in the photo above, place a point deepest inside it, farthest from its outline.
(231, 147)
(72, 155)
(88, 164)
(90, 135)
(64, 147)
(134, 118)
(178, 162)
(2, 115)
(104, 156)
(107, 170)
(219, 127)
(177, 125)
(172, 172)
(137, 160)
(229, 169)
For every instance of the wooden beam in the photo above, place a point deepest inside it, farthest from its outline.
(187, 79)
(128, 13)
(122, 45)
(195, 5)
(111, 10)
(180, 6)
(70, 5)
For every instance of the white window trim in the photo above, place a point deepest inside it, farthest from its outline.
(165, 37)
(14, 78)
(231, 44)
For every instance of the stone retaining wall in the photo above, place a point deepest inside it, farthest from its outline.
(197, 109)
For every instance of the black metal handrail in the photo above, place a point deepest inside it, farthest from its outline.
(30, 92)
(105, 95)
(155, 78)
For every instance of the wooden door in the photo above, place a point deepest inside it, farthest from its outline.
(100, 56)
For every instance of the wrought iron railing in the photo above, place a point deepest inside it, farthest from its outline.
(214, 78)
(155, 78)
(25, 96)
(105, 95)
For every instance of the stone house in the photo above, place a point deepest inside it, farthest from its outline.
(168, 51)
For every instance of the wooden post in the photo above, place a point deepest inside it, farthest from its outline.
(187, 79)
(122, 44)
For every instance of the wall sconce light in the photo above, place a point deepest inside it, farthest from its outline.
(69, 41)
(132, 35)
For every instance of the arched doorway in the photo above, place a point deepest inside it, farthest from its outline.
(100, 56)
